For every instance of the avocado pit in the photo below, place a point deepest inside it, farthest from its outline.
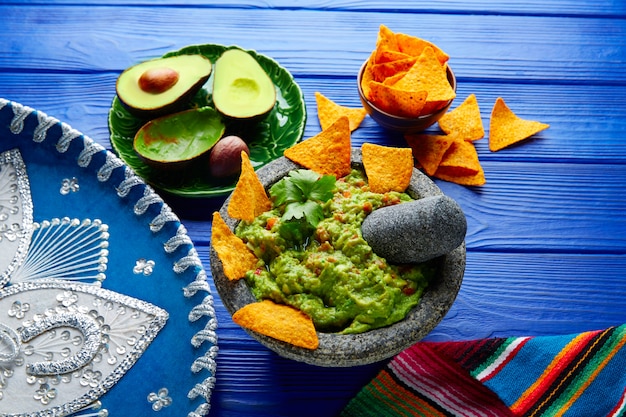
(158, 80)
(225, 157)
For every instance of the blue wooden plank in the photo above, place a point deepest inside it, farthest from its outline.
(535, 294)
(553, 208)
(605, 8)
(514, 293)
(545, 207)
(333, 43)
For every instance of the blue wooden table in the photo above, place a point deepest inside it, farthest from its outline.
(546, 239)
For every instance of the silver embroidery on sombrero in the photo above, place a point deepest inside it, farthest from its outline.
(67, 249)
(16, 213)
(69, 346)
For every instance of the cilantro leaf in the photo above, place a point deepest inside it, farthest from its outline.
(309, 211)
(312, 186)
(301, 193)
(322, 189)
(294, 210)
(278, 192)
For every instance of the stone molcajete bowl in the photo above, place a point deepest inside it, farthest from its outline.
(338, 350)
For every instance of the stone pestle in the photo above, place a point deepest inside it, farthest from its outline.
(415, 231)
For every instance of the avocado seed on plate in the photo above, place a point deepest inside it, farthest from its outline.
(225, 158)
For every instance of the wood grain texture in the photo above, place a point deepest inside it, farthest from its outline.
(546, 234)
(332, 43)
(605, 8)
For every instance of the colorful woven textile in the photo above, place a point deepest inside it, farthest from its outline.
(581, 375)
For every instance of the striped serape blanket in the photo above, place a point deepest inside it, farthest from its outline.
(581, 375)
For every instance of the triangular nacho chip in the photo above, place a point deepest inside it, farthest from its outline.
(386, 41)
(328, 112)
(476, 179)
(236, 258)
(414, 46)
(428, 149)
(328, 152)
(387, 168)
(461, 159)
(278, 321)
(367, 76)
(428, 74)
(506, 128)
(403, 103)
(385, 70)
(391, 80)
(464, 121)
(385, 55)
(249, 198)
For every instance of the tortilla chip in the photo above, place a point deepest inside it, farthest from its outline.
(429, 149)
(387, 168)
(249, 198)
(464, 121)
(385, 55)
(368, 75)
(398, 102)
(328, 152)
(428, 74)
(414, 46)
(461, 159)
(476, 179)
(328, 112)
(387, 69)
(506, 128)
(386, 41)
(236, 258)
(278, 321)
(391, 80)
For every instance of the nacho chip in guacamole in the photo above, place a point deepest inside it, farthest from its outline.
(236, 258)
(249, 198)
(328, 152)
(278, 321)
(387, 168)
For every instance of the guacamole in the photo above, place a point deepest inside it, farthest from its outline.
(334, 276)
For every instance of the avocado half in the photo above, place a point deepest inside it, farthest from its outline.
(175, 140)
(160, 86)
(241, 87)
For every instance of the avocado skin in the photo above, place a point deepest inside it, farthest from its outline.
(237, 75)
(179, 103)
(202, 125)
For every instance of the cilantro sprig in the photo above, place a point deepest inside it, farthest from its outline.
(300, 196)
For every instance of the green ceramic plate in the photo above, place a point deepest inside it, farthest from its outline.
(267, 139)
